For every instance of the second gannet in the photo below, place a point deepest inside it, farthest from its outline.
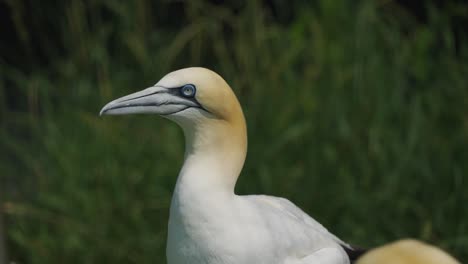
(407, 251)
(209, 223)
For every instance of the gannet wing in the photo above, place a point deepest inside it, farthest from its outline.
(318, 246)
(292, 210)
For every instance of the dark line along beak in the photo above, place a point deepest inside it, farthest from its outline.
(153, 100)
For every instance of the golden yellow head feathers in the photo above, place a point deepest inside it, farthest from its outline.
(213, 93)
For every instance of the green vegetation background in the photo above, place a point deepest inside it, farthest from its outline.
(357, 111)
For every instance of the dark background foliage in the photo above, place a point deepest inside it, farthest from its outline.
(357, 112)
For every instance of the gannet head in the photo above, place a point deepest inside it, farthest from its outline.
(186, 96)
(407, 251)
(201, 102)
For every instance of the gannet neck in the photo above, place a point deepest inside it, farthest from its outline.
(215, 151)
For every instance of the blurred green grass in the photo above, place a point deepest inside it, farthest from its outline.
(357, 113)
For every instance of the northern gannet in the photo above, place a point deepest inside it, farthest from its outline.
(407, 251)
(209, 223)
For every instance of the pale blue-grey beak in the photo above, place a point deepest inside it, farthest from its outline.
(153, 100)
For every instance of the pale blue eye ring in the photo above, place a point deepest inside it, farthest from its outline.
(188, 90)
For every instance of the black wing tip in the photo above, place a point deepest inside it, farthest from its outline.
(354, 253)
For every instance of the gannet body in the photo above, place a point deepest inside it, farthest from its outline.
(407, 251)
(209, 223)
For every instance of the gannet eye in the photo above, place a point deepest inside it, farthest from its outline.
(188, 90)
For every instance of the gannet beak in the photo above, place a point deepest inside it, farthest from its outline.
(153, 100)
